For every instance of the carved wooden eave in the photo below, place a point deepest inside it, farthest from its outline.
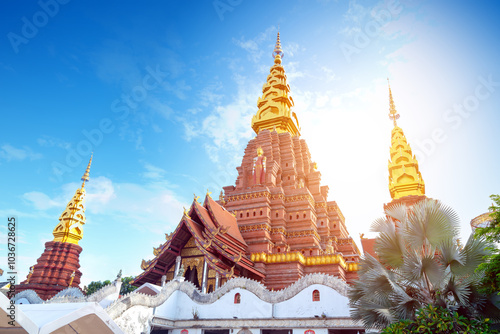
(209, 228)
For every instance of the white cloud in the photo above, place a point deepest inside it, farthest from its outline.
(153, 172)
(152, 205)
(9, 153)
(353, 18)
(41, 201)
(227, 126)
(211, 94)
(48, 141)
(254, 45)
(179, 89)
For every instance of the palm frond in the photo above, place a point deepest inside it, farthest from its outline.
(449, 253)
(398, 212)
(423, 271)
(473, 255)
(382, 225)
(459, 289)
(404, 305)
(430, 223)
(389, 248)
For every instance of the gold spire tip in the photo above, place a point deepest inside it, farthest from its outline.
(85, 177)
(393, 113)
(277, 49)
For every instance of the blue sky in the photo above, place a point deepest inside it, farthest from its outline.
(163, 93)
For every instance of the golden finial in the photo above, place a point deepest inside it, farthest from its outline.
(196, 198)
(393, 114)
(186, 213)
(277, 49)
(85, 177)
(208, 192)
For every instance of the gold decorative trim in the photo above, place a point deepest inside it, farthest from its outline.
(257, 227)
(157, 251)
(247, 196)
(191, 243)
(305, 233)
(305, 260)
(279, 230)
(145, 264)
(190, 252)
(194, 262)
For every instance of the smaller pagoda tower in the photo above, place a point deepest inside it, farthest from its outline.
(406, 184)
(405, 181)
(58, 267)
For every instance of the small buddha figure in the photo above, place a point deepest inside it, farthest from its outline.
(72, 277)
(32, 268)
(329, 247)
(259, 167)
(301, 183)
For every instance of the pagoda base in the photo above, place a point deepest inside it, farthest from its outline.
(54, 269)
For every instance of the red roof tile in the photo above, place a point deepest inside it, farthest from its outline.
(225, 219)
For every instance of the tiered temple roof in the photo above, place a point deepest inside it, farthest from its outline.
(205, 234)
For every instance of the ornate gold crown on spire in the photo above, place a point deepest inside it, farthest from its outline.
(275, 105)
(72, 219)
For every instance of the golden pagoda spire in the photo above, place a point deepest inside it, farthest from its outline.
(393, 114)
(404, 176)
(72, 219)
(275, 105)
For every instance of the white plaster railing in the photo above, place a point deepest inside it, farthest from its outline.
(117, 308)
(71, 295)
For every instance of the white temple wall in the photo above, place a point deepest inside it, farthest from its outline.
(108, 300)
(331, 303)
(181, 306)
(135, 320)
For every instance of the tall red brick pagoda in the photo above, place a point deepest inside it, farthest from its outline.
(58, 267)
(278, 210)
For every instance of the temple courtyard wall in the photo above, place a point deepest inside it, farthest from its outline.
(316, 303)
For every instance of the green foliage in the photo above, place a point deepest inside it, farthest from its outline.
(490, 269)
(490, 275)
(95, 286)
(419, 263)
(434, 319)
(126, 287)
(492, 232)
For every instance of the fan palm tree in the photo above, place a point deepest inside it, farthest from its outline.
(420, 262)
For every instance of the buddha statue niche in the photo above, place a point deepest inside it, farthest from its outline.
(259, 167)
